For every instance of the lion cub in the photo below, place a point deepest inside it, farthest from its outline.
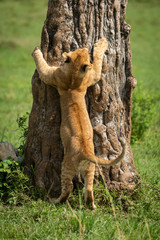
(72, 80)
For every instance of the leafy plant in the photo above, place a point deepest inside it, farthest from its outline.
(143, 112)
(13, 182)
(23, 127)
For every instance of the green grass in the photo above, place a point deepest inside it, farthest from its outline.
(20, 31)
(137, 214)
(41, 220)
(145, 35)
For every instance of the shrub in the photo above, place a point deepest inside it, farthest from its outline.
(13, 182)
(15, 186)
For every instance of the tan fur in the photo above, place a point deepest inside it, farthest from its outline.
(72, 80)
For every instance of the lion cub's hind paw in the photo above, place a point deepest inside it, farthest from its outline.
(93, 206)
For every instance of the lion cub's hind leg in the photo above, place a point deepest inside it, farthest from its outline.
(67, 174)
(87, 171)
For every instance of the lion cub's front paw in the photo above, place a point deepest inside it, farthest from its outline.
(37, 49)
(101, 45)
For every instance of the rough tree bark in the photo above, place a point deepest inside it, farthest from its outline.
(72, 24)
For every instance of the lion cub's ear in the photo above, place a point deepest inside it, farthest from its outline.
(66, 57)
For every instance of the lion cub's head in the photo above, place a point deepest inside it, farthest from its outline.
(76, 67)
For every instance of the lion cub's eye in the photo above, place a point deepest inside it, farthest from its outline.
(68, 60)
(84, 67)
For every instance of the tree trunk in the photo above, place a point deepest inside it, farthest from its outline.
(72, 24)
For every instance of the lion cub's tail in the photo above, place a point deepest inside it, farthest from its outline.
(101, 161)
